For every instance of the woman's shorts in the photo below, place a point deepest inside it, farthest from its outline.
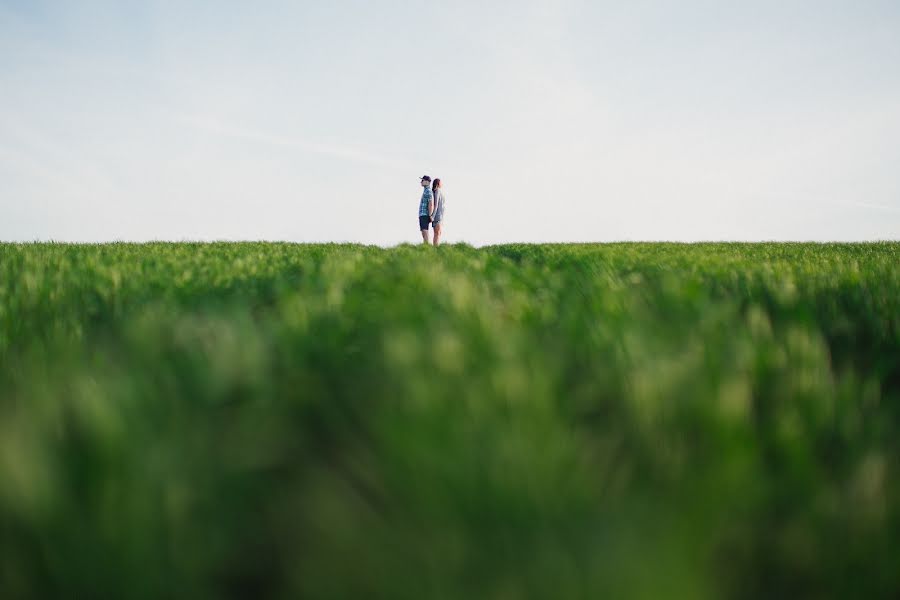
(423, 223)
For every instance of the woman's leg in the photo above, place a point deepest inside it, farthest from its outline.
(437, 233)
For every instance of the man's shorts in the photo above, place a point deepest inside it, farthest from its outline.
(423, 222)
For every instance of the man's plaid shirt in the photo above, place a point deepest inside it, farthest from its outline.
(423, 205)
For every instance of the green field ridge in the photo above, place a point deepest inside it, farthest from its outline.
(628, 420)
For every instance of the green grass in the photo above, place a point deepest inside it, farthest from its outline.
(544, 421)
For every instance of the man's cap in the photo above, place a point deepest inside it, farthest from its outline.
(425, 178)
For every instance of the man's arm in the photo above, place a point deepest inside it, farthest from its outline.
(430, 206)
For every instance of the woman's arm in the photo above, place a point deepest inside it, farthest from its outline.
(439, 201)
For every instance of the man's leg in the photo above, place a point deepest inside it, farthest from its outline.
(437, 233)
(423, 227)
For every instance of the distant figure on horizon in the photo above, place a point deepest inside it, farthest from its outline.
(426, 207)
(437, 215)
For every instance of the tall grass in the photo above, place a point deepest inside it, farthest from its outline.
(565, 421)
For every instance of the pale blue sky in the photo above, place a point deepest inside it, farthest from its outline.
(548, 121)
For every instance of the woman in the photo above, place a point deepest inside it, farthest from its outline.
(437, 216)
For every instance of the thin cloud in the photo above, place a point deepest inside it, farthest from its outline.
(348, 153)
(884, 207)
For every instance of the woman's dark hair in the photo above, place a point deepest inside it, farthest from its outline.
(436, 184)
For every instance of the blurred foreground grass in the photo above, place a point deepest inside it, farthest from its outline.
(546, 421)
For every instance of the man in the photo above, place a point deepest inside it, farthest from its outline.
(426, 207)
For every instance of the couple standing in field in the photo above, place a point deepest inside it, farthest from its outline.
(431, 208)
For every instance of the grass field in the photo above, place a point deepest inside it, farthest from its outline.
(525, 421)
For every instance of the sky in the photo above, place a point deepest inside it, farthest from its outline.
(568, 120)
